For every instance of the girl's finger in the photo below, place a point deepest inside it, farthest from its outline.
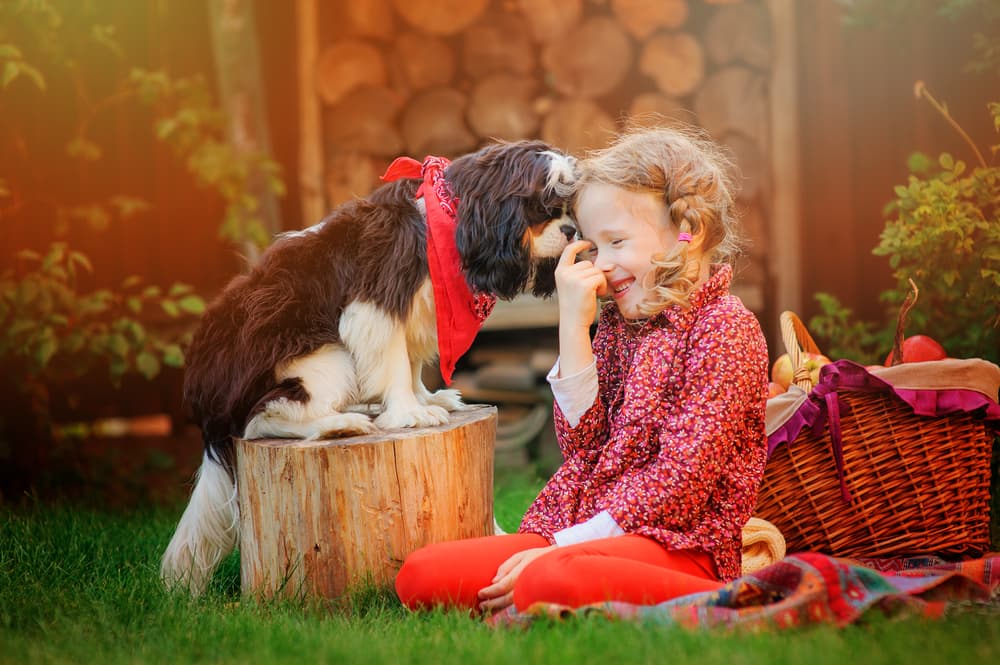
(498, 588)
(507, 566)
(497, 604)
(568, 257)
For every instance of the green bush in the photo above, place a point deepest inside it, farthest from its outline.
(942, 228)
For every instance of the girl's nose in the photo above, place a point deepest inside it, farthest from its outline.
(602, 264)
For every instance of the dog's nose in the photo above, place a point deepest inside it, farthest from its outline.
(568, 231)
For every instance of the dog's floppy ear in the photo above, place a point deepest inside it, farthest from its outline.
(503, 190)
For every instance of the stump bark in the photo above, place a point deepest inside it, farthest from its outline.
(318, 516)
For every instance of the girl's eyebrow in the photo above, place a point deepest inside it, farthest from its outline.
(604, 233)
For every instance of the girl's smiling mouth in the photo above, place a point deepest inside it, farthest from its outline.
(621, 287)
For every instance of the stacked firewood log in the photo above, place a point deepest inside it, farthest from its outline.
(421, 77)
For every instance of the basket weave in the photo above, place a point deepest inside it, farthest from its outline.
(918, 484)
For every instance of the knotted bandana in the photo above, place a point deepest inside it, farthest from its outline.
(460, 313)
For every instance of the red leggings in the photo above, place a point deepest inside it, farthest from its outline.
(629, 568)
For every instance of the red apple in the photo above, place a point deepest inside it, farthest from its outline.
(920, 348)
(774, 389)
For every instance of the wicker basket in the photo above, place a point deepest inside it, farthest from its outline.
(917, 484)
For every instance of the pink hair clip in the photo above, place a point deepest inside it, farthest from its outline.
(683, 236)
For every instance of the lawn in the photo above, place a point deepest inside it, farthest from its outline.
(80, 586)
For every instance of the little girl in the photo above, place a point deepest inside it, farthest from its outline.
(660, 420)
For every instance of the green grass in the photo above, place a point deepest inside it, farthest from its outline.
(80, 586)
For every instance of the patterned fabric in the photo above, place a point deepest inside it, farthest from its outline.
(459, 312)
(674, 445)
(803, 589)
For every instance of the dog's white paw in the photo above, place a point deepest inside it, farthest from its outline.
(447, 399)
(415, 416)
(341, 425)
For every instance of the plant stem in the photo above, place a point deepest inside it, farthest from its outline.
(896, 357)
(921, 91)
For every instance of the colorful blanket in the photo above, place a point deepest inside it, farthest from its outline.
(808, 588)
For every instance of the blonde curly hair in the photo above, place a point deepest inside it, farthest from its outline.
(692, 174)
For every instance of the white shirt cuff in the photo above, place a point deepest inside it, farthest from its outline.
(574, 394)
(601, 525)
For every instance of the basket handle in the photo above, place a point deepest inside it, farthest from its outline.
(797, 341)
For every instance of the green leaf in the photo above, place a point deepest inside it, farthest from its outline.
(173, 356)
(118, 345)
(918, 162)
(129, 206)
(178, 289)
(73, 342)
(83, 148)
(946, 161)
(117, 368)
(10, 71)
(135, 331)
(134, 304)
(10, 52)
(165, 128)
(104, 34)
(20, 326)
(192, 304)
(170, 307)
(33, 74)
(147, 364)
(47, 349)
(79, 258)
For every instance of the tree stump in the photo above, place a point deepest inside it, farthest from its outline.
(318, 516)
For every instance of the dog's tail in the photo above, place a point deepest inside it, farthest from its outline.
(208, 530)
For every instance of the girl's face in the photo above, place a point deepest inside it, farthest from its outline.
(627, 229)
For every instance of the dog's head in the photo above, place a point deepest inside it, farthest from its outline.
(512, 223)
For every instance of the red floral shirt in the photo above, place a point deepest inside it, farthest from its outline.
(674, 445)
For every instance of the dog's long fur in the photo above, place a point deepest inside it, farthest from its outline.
(343, 314)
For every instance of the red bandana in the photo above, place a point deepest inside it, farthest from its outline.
(460, 313)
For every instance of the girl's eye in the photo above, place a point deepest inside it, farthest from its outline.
(617, 243)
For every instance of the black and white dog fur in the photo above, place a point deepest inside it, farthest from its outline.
(342, 314)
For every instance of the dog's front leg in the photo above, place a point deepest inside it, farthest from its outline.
(447, 398)
(378, 343)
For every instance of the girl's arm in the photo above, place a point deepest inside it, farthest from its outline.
(578, 283)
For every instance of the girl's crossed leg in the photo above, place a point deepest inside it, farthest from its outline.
(628, 568)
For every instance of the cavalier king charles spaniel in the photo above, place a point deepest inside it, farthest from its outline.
(344, 313)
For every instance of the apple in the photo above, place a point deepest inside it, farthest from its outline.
(782, 373)
(774, 389)
(919, 348)
(813, 363)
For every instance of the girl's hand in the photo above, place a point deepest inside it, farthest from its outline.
(500, 594)
(578, 283)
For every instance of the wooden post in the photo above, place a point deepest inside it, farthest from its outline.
(317, 516)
